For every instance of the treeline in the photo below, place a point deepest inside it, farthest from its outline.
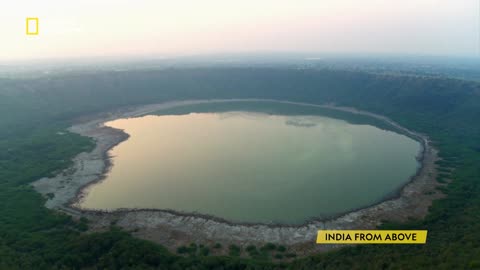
(33, 143)
(35, 101)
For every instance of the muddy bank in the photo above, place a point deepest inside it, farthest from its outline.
(174, 229)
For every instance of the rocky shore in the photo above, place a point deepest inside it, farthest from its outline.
(172, 229)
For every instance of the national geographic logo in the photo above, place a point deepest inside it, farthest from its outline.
(32, 26)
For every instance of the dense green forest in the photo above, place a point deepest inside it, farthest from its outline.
(34, 111)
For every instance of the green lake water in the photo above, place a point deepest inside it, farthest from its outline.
(253, 166)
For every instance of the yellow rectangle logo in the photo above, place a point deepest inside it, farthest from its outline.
(32, 26)
(372, 237)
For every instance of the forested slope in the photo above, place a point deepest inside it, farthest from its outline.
(34, 111)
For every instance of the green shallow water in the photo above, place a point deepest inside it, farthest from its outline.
(251, 166)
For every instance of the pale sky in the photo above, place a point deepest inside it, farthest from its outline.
(92, 28)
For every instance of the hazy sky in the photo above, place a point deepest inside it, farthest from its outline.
(181, 27)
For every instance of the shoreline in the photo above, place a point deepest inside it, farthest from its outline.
(171, 228)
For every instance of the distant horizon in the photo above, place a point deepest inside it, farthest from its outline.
(240, 56)
(148, 28)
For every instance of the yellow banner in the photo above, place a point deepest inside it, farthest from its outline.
(372, 237)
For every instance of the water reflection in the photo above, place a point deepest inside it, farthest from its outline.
(251, 166)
